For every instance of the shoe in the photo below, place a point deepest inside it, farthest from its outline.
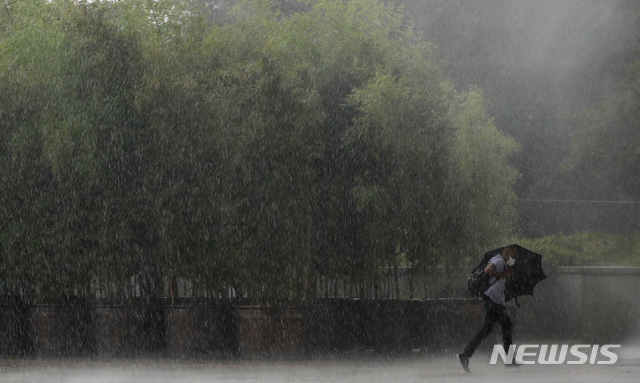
(464, 361)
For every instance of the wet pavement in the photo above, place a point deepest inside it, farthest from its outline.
(417, 368)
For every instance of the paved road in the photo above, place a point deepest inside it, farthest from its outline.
(325, 370)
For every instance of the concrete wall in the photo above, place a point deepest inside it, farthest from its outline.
(586, 304)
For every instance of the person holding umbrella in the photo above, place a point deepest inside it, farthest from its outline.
(494, 303)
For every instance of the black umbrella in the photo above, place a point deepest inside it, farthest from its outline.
(527, 272)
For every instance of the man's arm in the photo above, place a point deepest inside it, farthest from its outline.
(493, 271)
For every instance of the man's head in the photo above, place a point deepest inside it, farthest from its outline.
(509, 252)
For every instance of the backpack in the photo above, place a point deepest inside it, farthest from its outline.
(479, 281)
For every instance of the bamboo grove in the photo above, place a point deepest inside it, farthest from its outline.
(259, 148)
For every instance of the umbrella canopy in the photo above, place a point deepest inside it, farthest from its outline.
(527, 272)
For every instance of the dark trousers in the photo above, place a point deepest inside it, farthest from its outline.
(493, 312)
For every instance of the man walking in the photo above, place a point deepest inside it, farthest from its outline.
(494, 304)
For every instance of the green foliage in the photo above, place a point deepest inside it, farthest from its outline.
(587, 249)
(147, 141)
(484, 176)
(606, 140)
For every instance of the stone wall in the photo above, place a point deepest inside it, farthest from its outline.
(201, 329)
(14, 327)
(575, 304)
(126, 330)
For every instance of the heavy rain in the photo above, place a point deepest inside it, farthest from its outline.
(281, 190)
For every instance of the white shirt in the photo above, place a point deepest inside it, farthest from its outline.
(496, 291)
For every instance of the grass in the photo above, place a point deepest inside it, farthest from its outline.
(587, 249)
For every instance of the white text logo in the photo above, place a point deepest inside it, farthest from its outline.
(549, 354)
